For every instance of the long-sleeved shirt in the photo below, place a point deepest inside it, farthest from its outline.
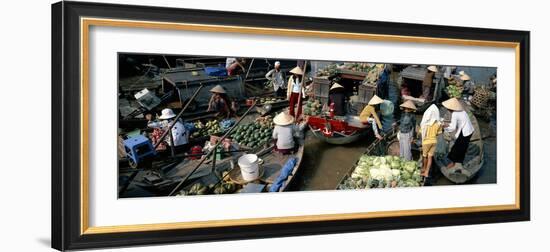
(460, 121)
(285, 135)
(277, 78)
(180, 134)
(367, 112)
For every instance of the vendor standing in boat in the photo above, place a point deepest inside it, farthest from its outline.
(277, 79)
(427, 82)
(430, 128)
(180, 135)
(294, 90)
(407, 129)
(369, 115)
(337, 99)
(463, 128)
(284, 132)
(220, 102)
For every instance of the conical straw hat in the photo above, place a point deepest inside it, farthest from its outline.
(218, 89)
(283, 119)
(453, 104)
(297, 70)
(375, 100)
(408, 104)
(336, 85)
(465, 77)
(432, 68)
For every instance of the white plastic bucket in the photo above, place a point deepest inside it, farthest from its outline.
(249, 167)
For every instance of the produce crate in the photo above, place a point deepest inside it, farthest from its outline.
(366, 92)
(321, 86)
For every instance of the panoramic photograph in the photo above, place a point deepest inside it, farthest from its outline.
(193, 125)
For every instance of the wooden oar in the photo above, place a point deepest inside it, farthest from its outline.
(302, 89)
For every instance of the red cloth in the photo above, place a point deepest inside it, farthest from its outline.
(294, 97)
(155, 136)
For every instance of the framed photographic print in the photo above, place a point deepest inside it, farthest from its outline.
(177, 125)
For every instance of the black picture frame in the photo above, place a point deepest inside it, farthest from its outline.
(66, 97)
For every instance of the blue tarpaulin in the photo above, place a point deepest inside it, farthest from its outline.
(216, 71)
(285, 172)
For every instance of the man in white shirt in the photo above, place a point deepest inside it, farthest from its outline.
(277, 78)
(463, 128)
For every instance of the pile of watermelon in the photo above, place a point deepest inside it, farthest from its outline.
(253, 135)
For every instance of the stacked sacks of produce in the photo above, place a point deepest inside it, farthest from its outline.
(256, 134)
(313, 108)
(383, 172)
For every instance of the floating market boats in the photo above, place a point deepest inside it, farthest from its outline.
(474, 159)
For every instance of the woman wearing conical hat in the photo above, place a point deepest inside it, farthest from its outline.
(369, 115)
(284, 132)
(220, 102)
(294, 90)
(463, 128)
(407, 129)
(338, 97)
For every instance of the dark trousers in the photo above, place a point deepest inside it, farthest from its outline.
(294, 97)
(280, 92)
(458, 152)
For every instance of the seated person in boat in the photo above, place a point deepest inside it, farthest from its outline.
(180, 135)
(284, 132)
(337, 99)
(369, 115)
(220, 102)
(430, 128)
(407, 129)
(463, 128)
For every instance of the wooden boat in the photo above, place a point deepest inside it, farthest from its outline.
(335, 131)
(165, 179)
(383, 147)
(207, 175)
(271, 167)
(474, 160)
